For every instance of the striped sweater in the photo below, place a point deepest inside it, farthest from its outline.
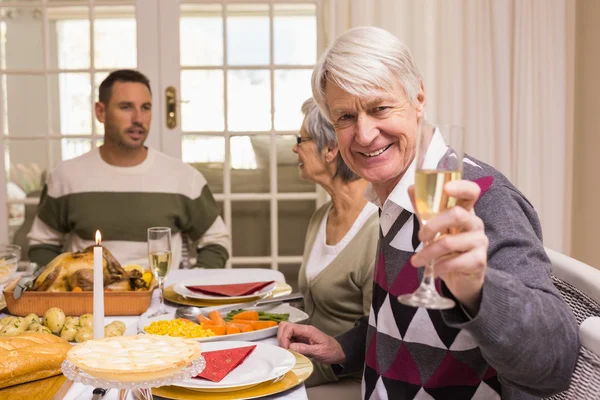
(86, 194)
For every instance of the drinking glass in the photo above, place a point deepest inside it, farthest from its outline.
(431, 175)
(159, 255)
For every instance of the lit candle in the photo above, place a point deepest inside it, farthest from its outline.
(98, 290)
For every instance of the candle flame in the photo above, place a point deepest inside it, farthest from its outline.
(98, 238)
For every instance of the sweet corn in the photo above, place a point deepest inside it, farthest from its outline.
(179, 328)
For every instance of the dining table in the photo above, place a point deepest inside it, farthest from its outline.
(79, 391)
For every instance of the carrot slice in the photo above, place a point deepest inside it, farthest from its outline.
(232, 330)
(218, 329)
(257, 325)
(201, 318)
(241, 327)
(250, 315)
(216, 317)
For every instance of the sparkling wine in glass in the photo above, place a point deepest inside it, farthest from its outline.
(159, 256)
(430, 198)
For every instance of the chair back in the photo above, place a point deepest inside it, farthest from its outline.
(579, 284)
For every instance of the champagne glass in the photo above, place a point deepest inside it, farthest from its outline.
(159, 254)
(431, 175)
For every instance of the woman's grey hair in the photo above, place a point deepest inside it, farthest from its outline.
(364, 61)
(323, 135)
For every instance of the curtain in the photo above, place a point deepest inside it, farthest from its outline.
(498, 68)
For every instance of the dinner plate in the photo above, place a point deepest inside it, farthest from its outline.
(300, 373)
(281, 289)
(296, 316)
(266, 363)
(181, 289)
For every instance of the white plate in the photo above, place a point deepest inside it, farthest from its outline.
(267, 362)
(181, 289)
(296, 316)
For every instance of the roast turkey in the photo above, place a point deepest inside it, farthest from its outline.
(70, 270)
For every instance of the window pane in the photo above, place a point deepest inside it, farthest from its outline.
(288, 178)
(202, 108)
(75, 104)
(250, 164)
(26, 164)
(207, 155)
(248, 34)
(201, 34)
(292, 88)
(71, 148)
(26, 105)
(293, 217)
(73, 40)
(115, 37)
(249, 100)
(250, 228)
(295, 34)
(203, 149)
(21, 39)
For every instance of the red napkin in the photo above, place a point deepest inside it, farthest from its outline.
(233, 289)
(221, 362)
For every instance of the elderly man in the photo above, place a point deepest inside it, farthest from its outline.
(511, 336)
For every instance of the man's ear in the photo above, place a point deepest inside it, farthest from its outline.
(421, 102)
(100, 110)
(331, 153)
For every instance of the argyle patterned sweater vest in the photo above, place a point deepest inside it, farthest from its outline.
(411, 353)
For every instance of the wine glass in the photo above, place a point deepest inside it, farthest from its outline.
(431, 175)
(159, 255)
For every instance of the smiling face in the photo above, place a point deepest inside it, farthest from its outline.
(127, 115)
(376, 135)
(310, 163)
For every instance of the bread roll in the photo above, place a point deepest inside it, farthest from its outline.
(30, 356)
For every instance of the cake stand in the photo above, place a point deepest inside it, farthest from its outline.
(143, 389)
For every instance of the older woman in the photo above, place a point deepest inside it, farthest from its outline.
(336, 276)
(510, 335)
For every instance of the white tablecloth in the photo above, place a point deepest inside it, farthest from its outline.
(82, 392)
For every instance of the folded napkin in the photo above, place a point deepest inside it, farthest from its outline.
(233, 289)
(221, 362)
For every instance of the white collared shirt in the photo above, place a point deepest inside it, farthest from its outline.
(398, 199)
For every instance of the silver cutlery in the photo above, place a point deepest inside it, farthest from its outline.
(99, 393)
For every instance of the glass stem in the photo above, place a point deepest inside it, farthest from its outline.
(161, 284)
(428, 282)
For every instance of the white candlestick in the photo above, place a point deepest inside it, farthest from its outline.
(98, 290)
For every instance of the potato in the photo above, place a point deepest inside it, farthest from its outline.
(54, 319)
(68, 332)
(15, 328)
(83, 334)
(7, 320)
(86, 320)
(34, 327)
(44, 329)
(111, 330)
(71, 320)
(120, 325)
(32, 318)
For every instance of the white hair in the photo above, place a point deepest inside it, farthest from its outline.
(364, 61)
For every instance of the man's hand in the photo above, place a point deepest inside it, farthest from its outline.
(311, 342)
(461, 256)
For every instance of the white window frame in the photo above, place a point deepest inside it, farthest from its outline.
(171, 138)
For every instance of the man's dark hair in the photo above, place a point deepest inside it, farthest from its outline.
(122, 75)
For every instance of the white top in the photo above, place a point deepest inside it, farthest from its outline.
(322, 254)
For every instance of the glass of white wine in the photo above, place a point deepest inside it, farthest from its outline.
(159, 255)
(443, 142)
